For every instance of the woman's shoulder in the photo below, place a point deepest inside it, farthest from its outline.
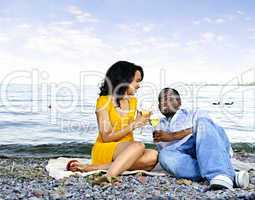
(108, 98)
(103, 101)
(133, 100)
(104, 97)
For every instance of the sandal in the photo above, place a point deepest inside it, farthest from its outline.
(105, 179)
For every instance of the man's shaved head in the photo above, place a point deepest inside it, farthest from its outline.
(168, 92)
(169, 101)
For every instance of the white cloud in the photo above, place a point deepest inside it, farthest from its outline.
(68, 43)
(196, 22)
(62, 23)
(248, 18)
(193, 44)
(207, 19)
(60, 50)
(239, 12)
(74, 10)
(219, 38)
(248, 57)
(210, 20)
(6, 19)
(80, 15)
(64, 49)
(244, 16)
(200, 61)
(137, 28)
(251, 29)
(24, 26)
(148, 28)
(230, 17)
(219, 21)
(204, 41)
(3, 38)
(208, 36)
(131, 28)
(223, 18)
(249, 51)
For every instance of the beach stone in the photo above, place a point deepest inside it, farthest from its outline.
(35, 198)
(129, 187)
(184, 182)
(37, 193)
(57, 195)
(87, 195)
(142, 179)
(11, 196)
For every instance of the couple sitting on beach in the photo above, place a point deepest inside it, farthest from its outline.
(190, 145)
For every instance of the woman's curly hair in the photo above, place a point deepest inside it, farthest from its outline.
(117, 79)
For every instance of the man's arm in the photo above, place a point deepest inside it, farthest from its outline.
(162, 136)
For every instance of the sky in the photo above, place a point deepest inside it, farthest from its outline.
(210, 41)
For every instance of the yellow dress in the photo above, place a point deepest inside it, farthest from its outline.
(102, 152)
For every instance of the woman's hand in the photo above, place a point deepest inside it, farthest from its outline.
(141, 120)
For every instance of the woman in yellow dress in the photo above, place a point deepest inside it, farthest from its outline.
(115, 149)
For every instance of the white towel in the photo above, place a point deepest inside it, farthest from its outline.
(239, 165)
(57, 169)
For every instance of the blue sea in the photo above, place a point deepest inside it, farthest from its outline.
(39, 120)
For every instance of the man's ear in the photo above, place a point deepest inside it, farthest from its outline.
(179, 102)
(159, 108)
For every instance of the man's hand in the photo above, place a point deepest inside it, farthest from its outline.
(161, 136)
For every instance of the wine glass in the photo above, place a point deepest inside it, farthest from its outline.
(154, 120)
(146, 110)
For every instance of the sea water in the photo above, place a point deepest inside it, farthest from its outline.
(69, 118)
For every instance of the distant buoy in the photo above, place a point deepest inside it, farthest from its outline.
(49, 106)
(229, 103)
(216, 103)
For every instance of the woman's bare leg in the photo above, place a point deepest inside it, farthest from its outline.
(77, 166)
(126, 158)
(146, 161)
(133, 149)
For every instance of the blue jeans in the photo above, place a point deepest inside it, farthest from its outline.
(204, 155)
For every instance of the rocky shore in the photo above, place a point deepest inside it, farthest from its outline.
(26, 178)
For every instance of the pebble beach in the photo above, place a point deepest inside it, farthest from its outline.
(26, 178)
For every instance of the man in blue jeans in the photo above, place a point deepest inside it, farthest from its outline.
(192, 146)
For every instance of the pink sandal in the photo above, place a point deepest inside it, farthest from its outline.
(69, 164)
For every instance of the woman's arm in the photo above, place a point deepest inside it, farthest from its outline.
(106, 130)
